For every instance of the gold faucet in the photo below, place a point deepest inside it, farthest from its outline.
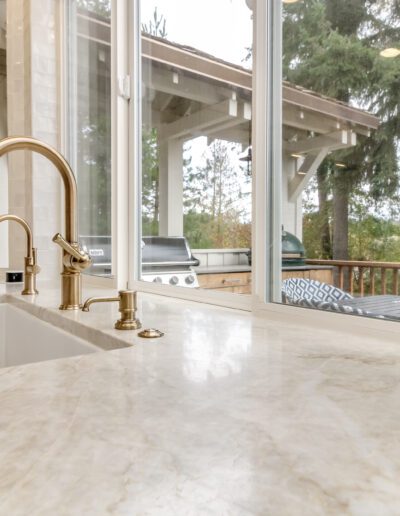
(127, 308)
(31, 267)
(74, 259)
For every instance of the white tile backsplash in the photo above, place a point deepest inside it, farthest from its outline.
(34, 186)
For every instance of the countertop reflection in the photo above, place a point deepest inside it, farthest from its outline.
(227, 414)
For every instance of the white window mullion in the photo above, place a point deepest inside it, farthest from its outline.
(135, 143)
(120, 141)
(267, 153)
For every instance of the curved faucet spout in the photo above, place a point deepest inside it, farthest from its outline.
(31, 266)
(25, 143)
(74, 259)
(24, 224)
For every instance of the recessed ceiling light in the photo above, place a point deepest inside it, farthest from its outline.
(390, 52)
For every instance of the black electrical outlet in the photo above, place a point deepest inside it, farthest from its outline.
(14, 277)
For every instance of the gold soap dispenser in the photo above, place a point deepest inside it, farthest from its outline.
(127, 307)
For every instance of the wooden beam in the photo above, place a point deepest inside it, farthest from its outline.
(221, 127)
(309, 100)
(305, 173)
(316, 148)
(244, 115)
(334, 141)
(199, 121)
(307, 121)
(195, 62)
(195, 65)
(200, 64)
(246, 111)
(161, 80)
(166, 102)
(236, 134)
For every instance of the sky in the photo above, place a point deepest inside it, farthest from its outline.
(222, 28)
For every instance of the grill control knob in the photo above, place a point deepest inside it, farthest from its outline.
(189, 280)
(157, 279)
(174, 280)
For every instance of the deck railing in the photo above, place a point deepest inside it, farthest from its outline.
(364, 278)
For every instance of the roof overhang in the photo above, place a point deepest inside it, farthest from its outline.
(189, 60)
(215, 96)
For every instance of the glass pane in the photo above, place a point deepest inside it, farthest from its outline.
(196, 170)
(341, 238)
(90, 125)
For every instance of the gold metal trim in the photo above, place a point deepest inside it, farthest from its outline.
(151, 333)
(31, 267)
(74, 259)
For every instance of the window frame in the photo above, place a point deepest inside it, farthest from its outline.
(126, 158)
(119, 133)
(266, 196)
(259, 209)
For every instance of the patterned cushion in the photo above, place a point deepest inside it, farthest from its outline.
(314, 294)
(296, 290)
(332, 307)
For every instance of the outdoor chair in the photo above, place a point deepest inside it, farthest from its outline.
(314, 294)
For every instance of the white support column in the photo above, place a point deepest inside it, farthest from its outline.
(171, 187)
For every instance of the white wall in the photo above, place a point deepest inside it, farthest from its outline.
(34, 184)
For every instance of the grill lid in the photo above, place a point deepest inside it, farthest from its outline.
(293, 252)
(166, 252)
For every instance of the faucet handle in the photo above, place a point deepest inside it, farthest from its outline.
(77, 259)
(73, 250)
(33, 268)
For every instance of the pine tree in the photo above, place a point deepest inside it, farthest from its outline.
(150, 155)
(332, 47)
(215, 195)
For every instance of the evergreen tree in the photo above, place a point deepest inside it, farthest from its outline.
(100, 7)
(216, 199)
(156, 26)
(332, 47)
(150, 154)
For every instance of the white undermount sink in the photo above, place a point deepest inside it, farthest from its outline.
(25, 339)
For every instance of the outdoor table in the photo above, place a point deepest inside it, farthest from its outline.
(387, 305)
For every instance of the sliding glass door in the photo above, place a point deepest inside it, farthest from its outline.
(196, 64)
(341, 167)
(89, 112)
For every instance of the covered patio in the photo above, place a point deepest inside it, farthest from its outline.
(188, 94)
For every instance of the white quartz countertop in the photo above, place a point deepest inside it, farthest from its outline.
(228, 414)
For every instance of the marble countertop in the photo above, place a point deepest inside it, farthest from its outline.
(228, 414)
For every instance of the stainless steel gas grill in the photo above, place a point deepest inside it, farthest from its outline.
(168, 260)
